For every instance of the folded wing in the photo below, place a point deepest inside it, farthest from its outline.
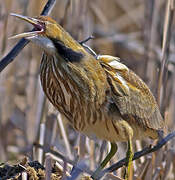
(131, 95)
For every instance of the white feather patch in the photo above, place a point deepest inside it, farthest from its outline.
(120, 78)
(117, 65)
(114, 62)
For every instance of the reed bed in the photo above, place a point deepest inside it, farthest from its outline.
(139, 32)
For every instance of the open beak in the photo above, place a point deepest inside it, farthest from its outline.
(38, 27)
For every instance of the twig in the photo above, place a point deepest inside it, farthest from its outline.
(57, 154)
(77, 170)
(138, 154)
(87, 47)
(48, 163)
(23, 42)
(48, 7)
(49, 150)
(90, 50)
(165, 46)
(64, 135)
(41, 141)
(24, 176)
(117, 165)
(86, 40)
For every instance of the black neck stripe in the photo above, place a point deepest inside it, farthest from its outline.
(67, 53)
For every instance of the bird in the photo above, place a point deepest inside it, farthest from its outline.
(98, 95)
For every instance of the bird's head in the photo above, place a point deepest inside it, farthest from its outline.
(47, 33)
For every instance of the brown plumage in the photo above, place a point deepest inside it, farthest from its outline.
(98, 96)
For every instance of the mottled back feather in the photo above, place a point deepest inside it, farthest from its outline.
(131, 95)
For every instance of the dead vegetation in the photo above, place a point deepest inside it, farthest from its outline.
(139, 32)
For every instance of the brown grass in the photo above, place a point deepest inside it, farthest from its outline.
(139, 32)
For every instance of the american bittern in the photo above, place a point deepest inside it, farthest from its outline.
(98, 96)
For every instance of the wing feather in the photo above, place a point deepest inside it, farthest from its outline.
(131, 95)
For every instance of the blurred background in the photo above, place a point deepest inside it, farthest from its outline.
(140, 32)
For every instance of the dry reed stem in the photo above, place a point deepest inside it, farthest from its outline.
(117, 27)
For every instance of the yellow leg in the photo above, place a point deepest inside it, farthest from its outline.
(113, 150)
(129, 156)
